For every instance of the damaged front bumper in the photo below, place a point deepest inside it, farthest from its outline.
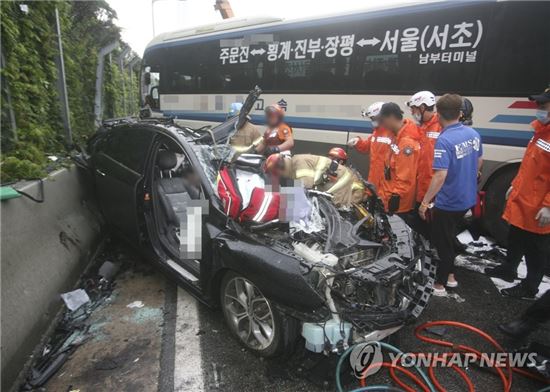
(370, 302)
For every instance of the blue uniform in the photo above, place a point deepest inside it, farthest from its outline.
(457, 150)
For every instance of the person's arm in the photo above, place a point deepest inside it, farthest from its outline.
(438, 179)
(344, 180)
(362, 145)
(261, 146)
(288, 144)
(441, 162)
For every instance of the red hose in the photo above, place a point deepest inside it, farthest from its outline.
(506, 381)
(392, 367)
(506, 377)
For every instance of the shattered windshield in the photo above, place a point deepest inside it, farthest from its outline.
(211, 157)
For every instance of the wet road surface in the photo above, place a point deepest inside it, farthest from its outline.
(166, 341)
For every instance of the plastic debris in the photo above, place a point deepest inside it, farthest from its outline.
(75, 299)
(135, 304)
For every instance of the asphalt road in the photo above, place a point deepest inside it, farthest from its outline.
(169, 342)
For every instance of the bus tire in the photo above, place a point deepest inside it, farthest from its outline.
(495, 201)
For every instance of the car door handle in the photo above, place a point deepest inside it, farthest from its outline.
(100, 172)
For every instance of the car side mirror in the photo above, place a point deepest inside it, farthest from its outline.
(147, 78)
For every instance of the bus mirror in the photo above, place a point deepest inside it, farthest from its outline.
(147, 78)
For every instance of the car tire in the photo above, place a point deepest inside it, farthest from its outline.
(495, 201)
(253, 320)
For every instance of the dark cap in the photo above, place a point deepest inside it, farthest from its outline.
(391, 109)
(542, 97)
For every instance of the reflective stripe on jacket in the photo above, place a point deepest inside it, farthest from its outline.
(531, 186)
(429, 132)
(378, 146)
(310, 169)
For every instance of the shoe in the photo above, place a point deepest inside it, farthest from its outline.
(518, 328)
(501, 272)
(518, 291)
(452, 284)
(440, 292)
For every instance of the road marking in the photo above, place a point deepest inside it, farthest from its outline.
(188, 373)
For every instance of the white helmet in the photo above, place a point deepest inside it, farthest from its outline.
(373, 110)
(422, 97)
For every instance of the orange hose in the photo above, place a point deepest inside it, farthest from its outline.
(506, 381)
(392, 367)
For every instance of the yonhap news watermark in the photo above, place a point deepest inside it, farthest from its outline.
(367, 358)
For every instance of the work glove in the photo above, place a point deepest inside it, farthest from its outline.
(272, 150)
(353, 141)
(543, 216)
(393, 203)
(508, 193)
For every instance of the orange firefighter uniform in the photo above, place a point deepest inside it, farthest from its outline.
(278, 135)
(429, 132)
(531, 187)
(315, 172)
(378, 146)
(401, 168)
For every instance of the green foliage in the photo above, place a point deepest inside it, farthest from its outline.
(29, 48)
(13, 169)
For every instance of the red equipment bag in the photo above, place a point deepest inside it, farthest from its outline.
(263, 206)
(229, 193)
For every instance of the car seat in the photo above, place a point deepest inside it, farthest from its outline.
(174, 194)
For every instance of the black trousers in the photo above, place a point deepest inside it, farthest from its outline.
(444, 227)
(413, 219)
(535, 247)
(539, 312)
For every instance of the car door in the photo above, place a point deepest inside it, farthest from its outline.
(118, 164)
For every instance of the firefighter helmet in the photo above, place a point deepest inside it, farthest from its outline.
(338, 154)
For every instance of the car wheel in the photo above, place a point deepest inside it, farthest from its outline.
(495, 201)
(252, 318)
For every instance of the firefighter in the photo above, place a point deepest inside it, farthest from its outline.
(528, 209)
(422, 105)
(398, 188)
(278, 135)
(314, 172)
(246, 137)
(377, 145)
(358, 187)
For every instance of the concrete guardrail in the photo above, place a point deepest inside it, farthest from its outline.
(45, 247)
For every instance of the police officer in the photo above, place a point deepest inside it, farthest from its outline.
(377, 145)
(398, 189)
(315, 172)
(422, 105)
(457, 159)
(278, 135)
(528, 208)
(246, 137)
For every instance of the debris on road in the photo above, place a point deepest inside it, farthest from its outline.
(485, 253)
(135, 304)
(72, 331)
(75, 299)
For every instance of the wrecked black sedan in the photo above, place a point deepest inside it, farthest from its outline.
(335, 277)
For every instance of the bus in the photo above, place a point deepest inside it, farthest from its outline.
(324, 70)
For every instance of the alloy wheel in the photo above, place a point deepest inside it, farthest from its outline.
(249, 313)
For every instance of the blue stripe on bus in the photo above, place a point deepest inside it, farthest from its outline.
(512, 119)
(503, 137)
(316, 22)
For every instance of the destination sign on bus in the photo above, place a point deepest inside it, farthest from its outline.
(446, 43)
